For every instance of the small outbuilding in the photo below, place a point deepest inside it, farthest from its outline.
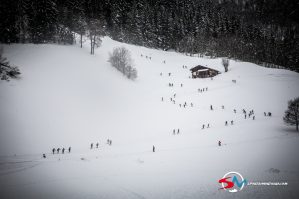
(203, 72)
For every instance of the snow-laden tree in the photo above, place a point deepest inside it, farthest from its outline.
(291, 116)
(121, 59)
(225, 63)
(6, 70)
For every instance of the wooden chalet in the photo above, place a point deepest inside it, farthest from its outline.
(203, 72)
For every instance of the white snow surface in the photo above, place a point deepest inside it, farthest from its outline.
(67, 97)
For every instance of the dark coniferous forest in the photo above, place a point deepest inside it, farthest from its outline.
(265, 32)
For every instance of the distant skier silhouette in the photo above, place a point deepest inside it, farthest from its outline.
(53, 150)
(70, 149)
(154, 149)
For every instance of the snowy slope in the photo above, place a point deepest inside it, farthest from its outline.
(66, 97)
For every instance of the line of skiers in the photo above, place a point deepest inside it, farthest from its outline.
(203, 126)
(170, 84)
(109, 142)
(174, 132)
(62, 150)
(231, 122)
(184, 66)
(202, 90)
(185, 104)
(268, 114)
(96, 145)
(147, 57)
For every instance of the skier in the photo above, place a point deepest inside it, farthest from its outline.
(70, 149)
(162, 99)
(269, 114)
(181, 85)
(178, 131)
(232, 122)
(225, 123)
(91, 145)
(253, 118)
(63, 151)
(245, 116)
(53, 150)
(154, 148)
(160, 74)
(235, 111)
(97, 145)
(174, 95)
(44, 155)
(110, 142)
(219, 143)
(222, 107)
(208, 126)
(211, 107)
(173, 132)
(203, 126)
(191, 104)
(58, 150)
(169, 74)
(265, 114)
(180, 105)
(171, 99)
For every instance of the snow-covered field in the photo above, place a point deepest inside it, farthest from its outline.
(67, 97)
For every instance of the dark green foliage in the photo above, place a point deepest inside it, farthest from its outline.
(265, 32)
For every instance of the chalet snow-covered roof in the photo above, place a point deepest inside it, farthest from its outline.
(200, 68)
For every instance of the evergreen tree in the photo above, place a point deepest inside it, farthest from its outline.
(291, 116)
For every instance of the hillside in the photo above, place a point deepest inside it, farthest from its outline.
(66, 97)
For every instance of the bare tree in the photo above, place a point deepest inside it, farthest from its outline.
(95, 32)
(291, 116)
(121, 59)
(225, 63)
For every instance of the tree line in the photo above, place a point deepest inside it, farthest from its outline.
(264, 32)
